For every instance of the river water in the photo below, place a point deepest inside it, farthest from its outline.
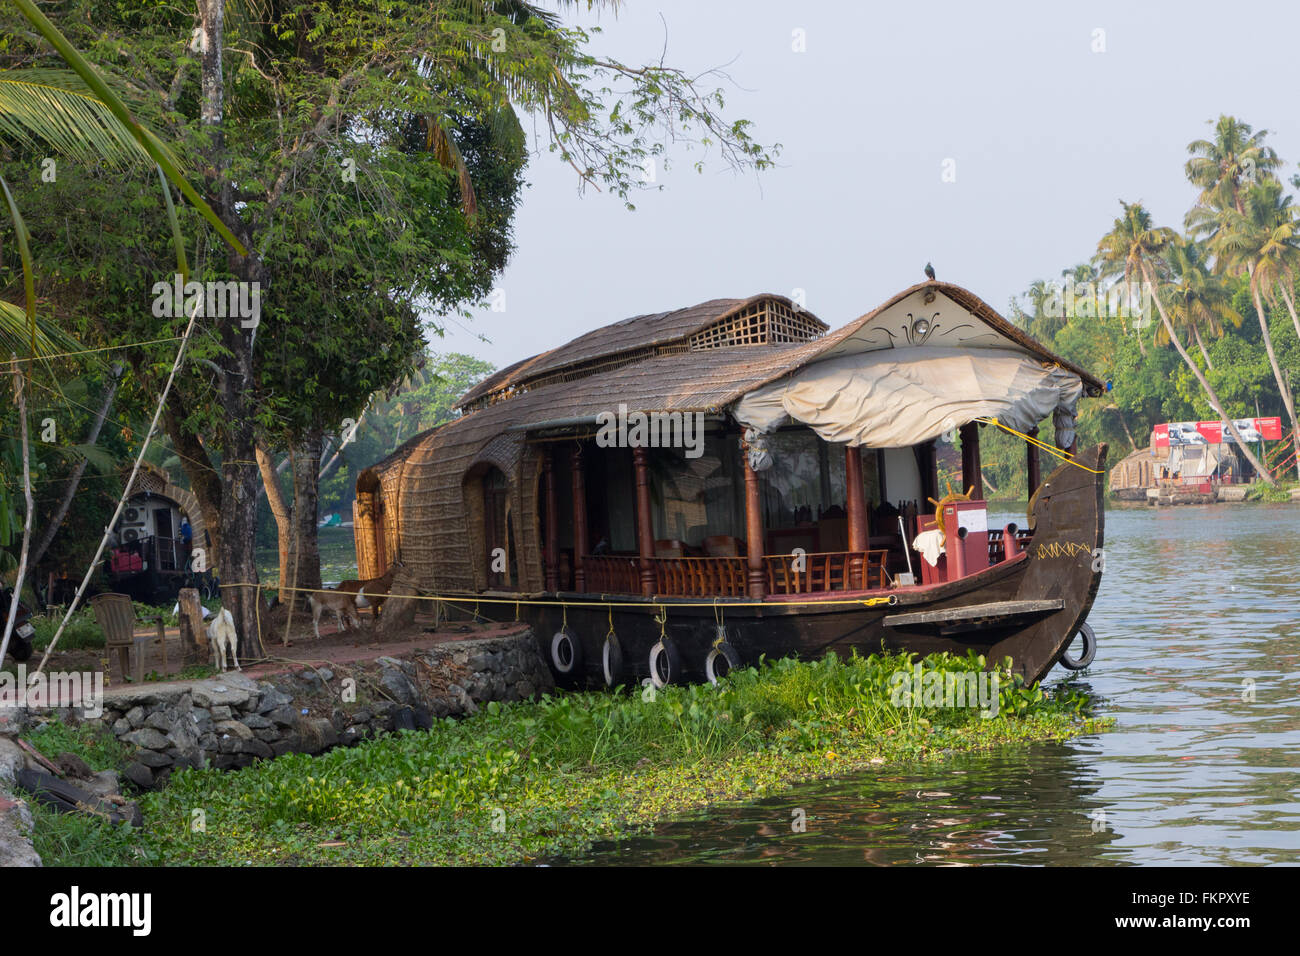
(1198, 661)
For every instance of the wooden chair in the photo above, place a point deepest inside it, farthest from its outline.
(116, 619)
(669, 548)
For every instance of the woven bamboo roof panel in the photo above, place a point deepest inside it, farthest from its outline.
(718, 323)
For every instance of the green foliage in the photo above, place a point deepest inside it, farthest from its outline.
(91, 742)
(77, 840)
(424, 400)
(82, 633)
(572, 768)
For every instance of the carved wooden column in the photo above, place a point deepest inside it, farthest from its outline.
(857, 508)
(970, 460)
(579, 519)
(552, 522)
(753, 531)
(1031, 463)
(645, 536)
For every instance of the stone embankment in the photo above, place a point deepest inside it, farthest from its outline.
(231, 721)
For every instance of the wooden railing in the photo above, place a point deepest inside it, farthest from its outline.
(728, 576)
(700, 577)
(612, 574)
(997, 547)
(827, 571)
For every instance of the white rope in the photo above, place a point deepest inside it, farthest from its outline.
(126, 491)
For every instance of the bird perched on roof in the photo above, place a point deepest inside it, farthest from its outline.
(929, 271)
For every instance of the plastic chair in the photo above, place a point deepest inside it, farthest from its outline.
(115, 617)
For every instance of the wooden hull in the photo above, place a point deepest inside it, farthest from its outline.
(1038, 599)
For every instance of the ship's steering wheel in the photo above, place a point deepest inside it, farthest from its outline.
(947, 499)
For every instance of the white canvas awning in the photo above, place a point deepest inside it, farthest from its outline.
(896, 397)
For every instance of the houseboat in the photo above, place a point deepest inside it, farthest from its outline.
(681, 493)
(150, 553)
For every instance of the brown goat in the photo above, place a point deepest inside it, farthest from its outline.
(376, 591)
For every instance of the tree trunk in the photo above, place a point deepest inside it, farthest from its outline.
(74, 480)
(280, 511)
(1290, 306)
(1287, 401)
(306, 467)
(238, 567)
(1201, 345)
(1206, 387)
(1124, 424)
(12, 619)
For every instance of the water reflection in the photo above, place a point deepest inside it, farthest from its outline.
(1198, 624)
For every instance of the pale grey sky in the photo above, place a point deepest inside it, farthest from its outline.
(1046, 136)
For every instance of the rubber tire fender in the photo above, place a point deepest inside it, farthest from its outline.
(721, 650)
(611, 661)
(664, 653)
(1089, 650)
(573, 668)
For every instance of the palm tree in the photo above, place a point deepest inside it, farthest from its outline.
(1198, 299)
(1287, 256)
(75, 114)
(1235, 158)
(1260, 241)
(1134, 247)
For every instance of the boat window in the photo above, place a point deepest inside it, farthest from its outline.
(805, 482)
(693, 498)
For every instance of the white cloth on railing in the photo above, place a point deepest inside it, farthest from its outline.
(930, 545)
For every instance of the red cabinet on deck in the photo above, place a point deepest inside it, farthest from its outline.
(973, 516)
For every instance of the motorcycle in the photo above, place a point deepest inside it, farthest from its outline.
(20, 645)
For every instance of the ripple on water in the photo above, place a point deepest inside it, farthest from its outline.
(1198, 612)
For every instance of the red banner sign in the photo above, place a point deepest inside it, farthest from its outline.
(1213, 433)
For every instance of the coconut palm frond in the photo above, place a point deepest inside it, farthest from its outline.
(71, 121)
(100, 459)
(148, 140)
(15, 334)
(444, 149)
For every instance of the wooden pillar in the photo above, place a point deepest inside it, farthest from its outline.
(880, 476)
(579, 519)
(552, 522)
(1031, 463)
(857, 508)
(645, 537)
(970, 460)
(927, 462)
(753, 531)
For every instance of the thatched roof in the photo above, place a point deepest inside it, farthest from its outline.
(633, 338)
(705, 380)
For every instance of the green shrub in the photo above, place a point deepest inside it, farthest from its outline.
(82, 633)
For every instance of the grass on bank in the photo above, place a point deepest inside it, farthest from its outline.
(1277, 493)
(522, 781)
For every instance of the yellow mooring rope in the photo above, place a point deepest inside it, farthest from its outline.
(450, 598)
(1051, 449)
